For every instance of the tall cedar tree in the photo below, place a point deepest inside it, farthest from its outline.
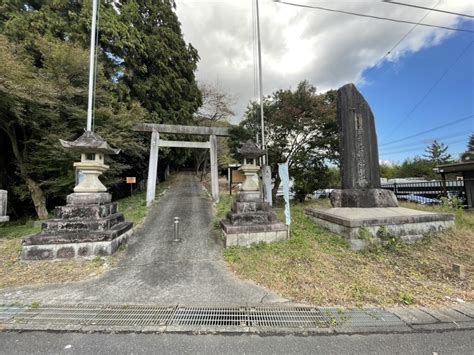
(150, 59)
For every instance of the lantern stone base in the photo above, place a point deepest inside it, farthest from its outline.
(87, 198)
(251, 220)
(78, 230)
(363, 226)
(247, 235)
(4, 218)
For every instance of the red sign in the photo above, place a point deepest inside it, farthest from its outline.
(131, 180)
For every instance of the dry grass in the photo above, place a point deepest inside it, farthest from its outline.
(14, 272)
(317, 267)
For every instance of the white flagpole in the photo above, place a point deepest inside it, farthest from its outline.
(92, 66)
(260, 80)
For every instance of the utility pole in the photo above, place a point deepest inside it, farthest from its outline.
(265, 170)
(92, 66)
(260, 80)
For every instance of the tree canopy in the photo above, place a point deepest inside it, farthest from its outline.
(145, 73)
(300, 129)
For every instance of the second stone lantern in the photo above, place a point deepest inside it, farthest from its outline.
(251, 220)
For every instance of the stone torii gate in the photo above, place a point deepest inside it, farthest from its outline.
(156, 142)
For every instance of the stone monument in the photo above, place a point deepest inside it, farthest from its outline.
(361, 209)
(3, 206)
(90, 223)
(251, 219)
(360, 171)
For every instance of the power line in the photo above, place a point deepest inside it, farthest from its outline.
(415, 107)
(405, 36)
(415, 149)
(427, 8)
(372, 16)
(428, 131)
(424, 144)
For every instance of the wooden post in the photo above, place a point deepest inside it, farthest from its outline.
(152, 168)
(214, 173)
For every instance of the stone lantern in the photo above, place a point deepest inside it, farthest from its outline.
(251, 219)
(90, 223)
(93, 150)
(250, 152)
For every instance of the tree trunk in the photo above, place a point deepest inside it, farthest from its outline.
(37, 195)
(204, 169)
(275, 187)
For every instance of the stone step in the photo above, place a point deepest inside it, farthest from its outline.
(254, 218)
(65, 237)
(75, 225)
(85, 211)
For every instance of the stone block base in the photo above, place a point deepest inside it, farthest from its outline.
(88, 198)
(73, 250)
(363, 198)
(4, 218)
(358, 225)
(247, 235)
(79, 230)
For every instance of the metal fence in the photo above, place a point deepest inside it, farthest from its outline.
(430, 189)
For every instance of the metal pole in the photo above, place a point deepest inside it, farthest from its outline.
(91, 66)
(260, 80)
(176, 229)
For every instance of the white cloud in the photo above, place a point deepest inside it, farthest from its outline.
(328, 49)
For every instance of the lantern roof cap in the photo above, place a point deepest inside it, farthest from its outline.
(251, 150)
(89, 142)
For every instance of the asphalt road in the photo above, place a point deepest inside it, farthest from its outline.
(456, 342)
(157, 270)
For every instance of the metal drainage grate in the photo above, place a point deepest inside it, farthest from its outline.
(197, 316)
(94, 315)
(8, 312)
(141, 315)
(287, 317)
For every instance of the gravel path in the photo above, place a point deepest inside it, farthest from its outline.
(157, 270)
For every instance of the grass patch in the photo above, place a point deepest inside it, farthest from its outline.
(221, 208)
(18, 229)
(14, 272)
(315, 266)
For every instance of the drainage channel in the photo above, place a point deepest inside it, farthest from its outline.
(182, 318)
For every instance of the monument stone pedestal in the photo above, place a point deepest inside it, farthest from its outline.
(89, 224)
(251, 219)
(361, 209)
(359, 225)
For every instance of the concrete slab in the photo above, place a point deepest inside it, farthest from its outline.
(358, 217)
(447, 315)
(465, 308)
(413, 315)
(358, 225)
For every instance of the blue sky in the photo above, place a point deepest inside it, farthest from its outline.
(332, 49)
(394, 89)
